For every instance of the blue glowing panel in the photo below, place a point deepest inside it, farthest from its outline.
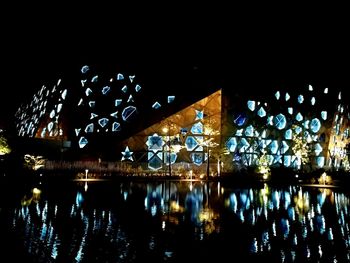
(288, 134)
(115, 126)
(114, 114)
(277, 95)
(231, 144)
(173, 157)
(131, 78)
(310, 88)
(89, 128)
(261, 112)
(249, 131)
(199, 115)
(120, 76)
(93, 115)
(155, 163)
(315, 125)
(318, 148)
(103, 122)
(94, 79)
(77, 131)
(299, 117)
(287, 97)
(82, 142)
(240, 119)
(130, 99)
(313, 101)
(127, 112)
(325, 91)
(251, 105)
(320, 161)
(64, 94)
(280, 121)
(85, 69)
(137, 88)
(306, 124)
(269, 120)
(125, 89)
(273, 146)
(197, 128)
(197, 158)
(92, 104)
(155, 143)
(300, 99)
(171, 99)
(127, 154)
(118, 102)
(239, 132)
(156, 105)
(284, 147)
(105, 90)
(191, 143)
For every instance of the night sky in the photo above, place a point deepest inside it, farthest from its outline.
(188, 58)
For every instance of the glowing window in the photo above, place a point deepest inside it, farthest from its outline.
(249, 131)
(191, 143)
(85, 69)
(313, 100)
(105, 90)
(300, 99)
(280, 121)
(131, 78)
(125, 89)
(137, 88)
(155, 143)
(114, 114)
(156, 105)
(299, 117)
(171, 99)
(277, 95)
(288, 134)
(92, 104)
(115, 126)
(231, 144)
(94, 79)
(287, 97)
(120, 76)
(118, 102)
(103, 122)
(261, 112)
(89, 128)
(127, 112)
(315, 125)
(240, 119)
(83, 142)
(251, 105)
(197, 128)
(130, 99)
(88, 91)
(77, 131)
(199, 115)
(64, 94)
(324, 115)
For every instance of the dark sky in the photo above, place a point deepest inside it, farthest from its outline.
(236, 53)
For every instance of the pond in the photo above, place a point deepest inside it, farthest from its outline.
(173, 221)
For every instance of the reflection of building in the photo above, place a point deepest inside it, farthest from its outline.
(111, 116)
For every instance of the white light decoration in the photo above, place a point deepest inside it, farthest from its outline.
(251, 105)
(313, 100)
(287, 97)
(88, 92)
(118, 102)
(125, 89)
(92, 104)
(94, 79)
(325, 91)
(137, 88)
(171, 99)
(299, 117)
(114, 114)
(89, 128)
(280, 121)
(310, 88)
(127, 154)
(290, 110)
(115, 126)
(120, 76)
(277, 95)
(131, 78)
(261, 112)
(324, 115)
(156, 105)
(300, 99)
(85, 69)
(82, 142)
(103, 122)
(93, 115)
(105, 90)
(315, 125)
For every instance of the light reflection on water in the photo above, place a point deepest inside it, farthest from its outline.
(179, 221)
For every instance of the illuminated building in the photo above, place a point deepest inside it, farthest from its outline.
(113, 117)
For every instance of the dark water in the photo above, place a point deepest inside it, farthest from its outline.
(173, 222)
